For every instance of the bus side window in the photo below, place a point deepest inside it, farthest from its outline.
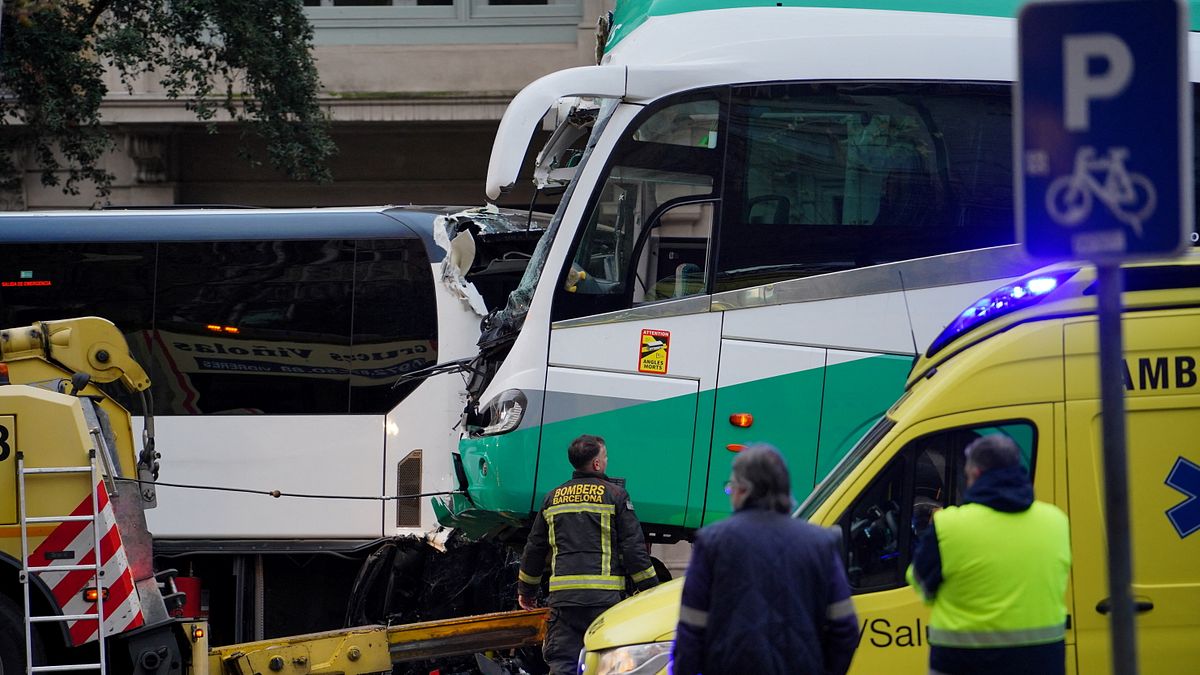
(823, 177)
(47, 282)
(883, 525)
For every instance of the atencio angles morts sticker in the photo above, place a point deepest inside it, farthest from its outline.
(655, 347)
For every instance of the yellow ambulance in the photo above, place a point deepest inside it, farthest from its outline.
(1023, 362)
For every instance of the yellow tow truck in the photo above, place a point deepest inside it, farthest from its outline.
(74, 545)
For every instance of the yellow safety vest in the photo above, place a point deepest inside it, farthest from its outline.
(1004, 576)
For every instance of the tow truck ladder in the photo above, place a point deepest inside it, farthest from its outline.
(92, 469)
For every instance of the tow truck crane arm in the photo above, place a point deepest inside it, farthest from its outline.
(374, 649)
(86, 351)
(89, 345)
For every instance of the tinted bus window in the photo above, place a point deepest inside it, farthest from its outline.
(826, 177)
(48, 282)
(395, 321)
(44, 282)
(254, 326)
(244, 327)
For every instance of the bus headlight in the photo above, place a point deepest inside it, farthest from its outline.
(503, 413)
(644, 659)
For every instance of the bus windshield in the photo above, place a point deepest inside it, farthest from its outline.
(519, 299)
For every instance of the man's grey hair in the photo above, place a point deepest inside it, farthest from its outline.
(760, 469)
(993, 451)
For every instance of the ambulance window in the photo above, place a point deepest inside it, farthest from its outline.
(872, 531)
(883, 526)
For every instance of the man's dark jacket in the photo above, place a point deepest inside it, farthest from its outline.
(765, 593)
(589, 538)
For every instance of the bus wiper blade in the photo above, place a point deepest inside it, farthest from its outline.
(462, 365)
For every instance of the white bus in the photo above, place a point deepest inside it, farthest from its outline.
(769, 210)
(275, 340)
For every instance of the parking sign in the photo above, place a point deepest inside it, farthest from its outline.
(1103, 130)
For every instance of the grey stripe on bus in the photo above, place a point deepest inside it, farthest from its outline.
(566, 405)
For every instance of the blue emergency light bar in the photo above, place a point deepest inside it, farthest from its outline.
(1004, 300)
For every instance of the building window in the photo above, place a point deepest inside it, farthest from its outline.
(362, 22)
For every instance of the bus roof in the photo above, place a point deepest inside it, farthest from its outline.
(629, 14)
(239, 224)
(202, 224)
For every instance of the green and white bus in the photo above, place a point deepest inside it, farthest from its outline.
(769, 210)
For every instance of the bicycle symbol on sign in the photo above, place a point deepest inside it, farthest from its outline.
(1130, 197)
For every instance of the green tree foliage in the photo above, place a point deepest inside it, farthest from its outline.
(250, 58)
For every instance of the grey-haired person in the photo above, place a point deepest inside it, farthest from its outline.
(765, 592)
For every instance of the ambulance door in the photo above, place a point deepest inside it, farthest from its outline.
(883, 510)
(1163, 421)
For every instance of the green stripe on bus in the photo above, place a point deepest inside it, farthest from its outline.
(630, 14)
(814, 416)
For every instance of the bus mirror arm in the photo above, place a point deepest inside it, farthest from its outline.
(462, 365)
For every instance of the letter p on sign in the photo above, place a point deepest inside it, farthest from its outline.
(1081, 84)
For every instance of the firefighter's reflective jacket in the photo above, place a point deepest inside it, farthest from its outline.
(591, 539)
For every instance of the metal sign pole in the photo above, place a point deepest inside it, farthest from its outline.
(1116, 474)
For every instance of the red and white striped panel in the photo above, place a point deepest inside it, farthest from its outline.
(122, 607)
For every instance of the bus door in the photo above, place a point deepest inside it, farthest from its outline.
(633, 347)
(812, 403)
(637, 383)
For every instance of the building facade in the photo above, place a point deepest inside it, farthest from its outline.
(415, 90)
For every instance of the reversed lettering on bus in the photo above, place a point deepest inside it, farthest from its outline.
(1160, 372)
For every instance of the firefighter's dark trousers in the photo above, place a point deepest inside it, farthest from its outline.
(564, 636)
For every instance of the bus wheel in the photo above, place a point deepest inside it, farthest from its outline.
(12, 640)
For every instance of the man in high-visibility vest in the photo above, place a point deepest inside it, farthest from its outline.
(995, 571)
(591, 538)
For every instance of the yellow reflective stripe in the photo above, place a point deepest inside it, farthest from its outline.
(840, 610)
(603, 582)
(553, 544)
(697, 618)
(579, 508)
(605, 544)
(531, 580)
(644, 574)
(995, 638)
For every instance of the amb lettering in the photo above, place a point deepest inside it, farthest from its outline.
(1160, 372)
(578, 494)
(882, 633)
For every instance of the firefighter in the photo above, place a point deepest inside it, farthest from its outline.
(589, 536)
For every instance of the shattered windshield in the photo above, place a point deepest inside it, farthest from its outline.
(519, 299)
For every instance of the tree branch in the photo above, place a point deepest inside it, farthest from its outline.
(98, 7)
